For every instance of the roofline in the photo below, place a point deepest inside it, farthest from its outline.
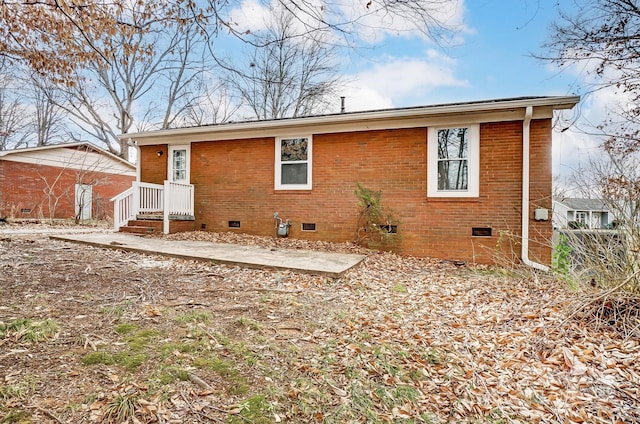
(66, 145)
(564, 200)
(555, 102)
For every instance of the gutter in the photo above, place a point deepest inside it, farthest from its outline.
(505, 105)
(526, 127)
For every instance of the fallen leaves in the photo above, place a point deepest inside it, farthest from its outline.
(398, 338)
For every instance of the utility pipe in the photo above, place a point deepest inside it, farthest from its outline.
(526, 127)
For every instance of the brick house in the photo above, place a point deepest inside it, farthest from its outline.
(461, 178)
(73, 180)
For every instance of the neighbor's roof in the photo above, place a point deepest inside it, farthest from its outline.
(76, 145)
(577, 204)
(439, 114)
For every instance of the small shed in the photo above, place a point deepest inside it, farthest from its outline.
(63, 181)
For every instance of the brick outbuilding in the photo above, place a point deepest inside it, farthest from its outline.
(64, 181)
(466, 181)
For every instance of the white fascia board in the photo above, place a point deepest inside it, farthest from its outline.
(41, 148)
(88, 161)
(16, 154)
(491, 111)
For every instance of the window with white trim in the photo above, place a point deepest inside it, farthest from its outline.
(453, 168)
(293, 163)
(178, 163)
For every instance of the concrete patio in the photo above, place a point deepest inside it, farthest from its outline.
(305, 261)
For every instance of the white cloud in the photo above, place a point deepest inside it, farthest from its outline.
(359, 97)
(400, 81)
(251, 16)
(372, 23)
(573, 150)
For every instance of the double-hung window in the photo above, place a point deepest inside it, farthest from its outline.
(453, 165)
(293, 163)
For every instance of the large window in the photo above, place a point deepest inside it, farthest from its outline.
(293, 163)
(453, 168)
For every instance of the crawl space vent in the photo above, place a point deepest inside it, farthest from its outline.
(308, 226)
(391, 229)
(481, 231)
(234, 224)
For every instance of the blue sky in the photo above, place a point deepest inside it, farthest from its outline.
(491, 59)
(506, 34)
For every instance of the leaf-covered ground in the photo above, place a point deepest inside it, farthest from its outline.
(97, 335)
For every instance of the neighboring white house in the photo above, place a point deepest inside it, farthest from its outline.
(585, 213)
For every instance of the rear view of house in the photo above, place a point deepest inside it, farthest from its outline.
(63, 181)
(466, 181)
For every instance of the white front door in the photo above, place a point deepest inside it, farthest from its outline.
(83, 201)
(179, 163)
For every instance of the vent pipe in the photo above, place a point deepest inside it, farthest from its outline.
(342, 108)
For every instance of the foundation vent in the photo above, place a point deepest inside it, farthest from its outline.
(481, 231)
(308, 226)
(391, 229)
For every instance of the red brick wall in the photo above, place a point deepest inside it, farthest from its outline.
(24, 186)
(234, 181)
(155, 167)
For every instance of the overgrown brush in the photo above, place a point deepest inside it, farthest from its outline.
(376, 227)
(605, 263)
(604, 271)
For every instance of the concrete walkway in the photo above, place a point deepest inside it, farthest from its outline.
(306, 261)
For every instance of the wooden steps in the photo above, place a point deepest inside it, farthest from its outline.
(142, 226)
(152, 222)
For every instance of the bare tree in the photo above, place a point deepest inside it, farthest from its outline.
(289, 75)
(55, 38)
(45, 33)
(112, 55)
(602, 35)
(13, 116)
(215, 104)
(183, 77)
(78, 173)
(609, 259)
(346, 20)
(107, 100)
(48, 117)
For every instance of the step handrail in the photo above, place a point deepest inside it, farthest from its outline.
(123, 208)
(171, 198)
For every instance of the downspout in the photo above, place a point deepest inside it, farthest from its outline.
(526, 127)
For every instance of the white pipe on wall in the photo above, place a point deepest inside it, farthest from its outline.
(526, 134)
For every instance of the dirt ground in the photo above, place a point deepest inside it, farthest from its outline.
(97, 335)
